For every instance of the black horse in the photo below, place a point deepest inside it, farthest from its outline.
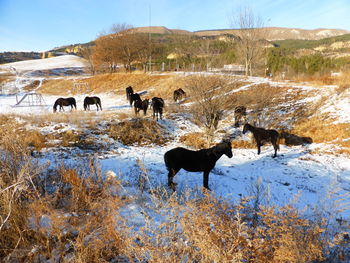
(178, 94)
(195, 161)
(64, 102)
(92, 100)
(240, 113)
(261, 136)
(157, 105)
(141, 105)
(129, 91)
(134, 97)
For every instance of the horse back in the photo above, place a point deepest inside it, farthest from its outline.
(192, 161)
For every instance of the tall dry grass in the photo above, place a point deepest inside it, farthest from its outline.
(139, 131)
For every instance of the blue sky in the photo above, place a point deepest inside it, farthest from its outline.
(38, 25)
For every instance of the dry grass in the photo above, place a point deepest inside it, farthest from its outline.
(138, 131)
(243, 144)
(324, 131)
(197, 140)
(81, 222)
(115, 83)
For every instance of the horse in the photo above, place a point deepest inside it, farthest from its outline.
(157, 105)
(141, 105)
(134, 97)
(92, 100)
(129, 91)
(64, 102)
(195, 161)
(261, 136)
(240, 112)
(292, 139)
(178, 94)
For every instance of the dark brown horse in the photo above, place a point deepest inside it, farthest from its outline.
(240, 113)
(141, 105)
(90, 101)
(179, 94)
(292, 139)
(129, 91)
(64, 102)
(195, 161)
(134, 97)
(157, 105)
(261, 136)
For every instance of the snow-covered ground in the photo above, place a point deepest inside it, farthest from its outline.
(296, 174)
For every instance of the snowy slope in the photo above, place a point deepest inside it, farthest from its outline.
(294, 174)
(66, 61)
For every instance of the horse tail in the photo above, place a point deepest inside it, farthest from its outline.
(279, 139)
(99, 103)
(55, 106)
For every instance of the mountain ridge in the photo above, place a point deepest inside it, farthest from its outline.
(273, 33)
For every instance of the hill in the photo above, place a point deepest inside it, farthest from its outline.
(273, 33)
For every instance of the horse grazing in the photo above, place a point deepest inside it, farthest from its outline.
(134, 97)
(92, 100)
(240, 112)
(292, 139)
(178, 94)
(129, 91)
(261, 136)
(157, 105)
(195, 161)
(64, 102)
(141, 105)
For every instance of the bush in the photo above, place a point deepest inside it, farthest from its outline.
(139, 132)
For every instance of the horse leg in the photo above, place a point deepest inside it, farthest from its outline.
(171, 174)
(275, 146)
(206, 179)
(258, 144)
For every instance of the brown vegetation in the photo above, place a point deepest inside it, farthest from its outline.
(81, 221)
(138, 131)
(197, 140)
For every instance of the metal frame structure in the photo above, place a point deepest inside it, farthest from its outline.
(32, 99)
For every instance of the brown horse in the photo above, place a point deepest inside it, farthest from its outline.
(240, 113)
(141, 105)
(195, 161)
(64, 102)
(261, 136)
(292, 139)
(134, 97)
(157, 105)
(90, 101)
(178, 94)
(129, 91)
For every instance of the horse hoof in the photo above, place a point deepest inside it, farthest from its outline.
(206, 191)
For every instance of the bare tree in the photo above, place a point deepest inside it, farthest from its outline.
(251, 33)
(208, 94)
(87, 53)
(122, 45)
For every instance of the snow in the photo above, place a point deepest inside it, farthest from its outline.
(65, 61)
(295, 173)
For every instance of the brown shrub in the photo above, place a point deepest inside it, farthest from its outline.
(138, 131)
(243, 144)
(196, 140)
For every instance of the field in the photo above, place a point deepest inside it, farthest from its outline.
(101, 176)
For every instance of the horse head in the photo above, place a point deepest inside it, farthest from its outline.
(246, 127)
(224, 147)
